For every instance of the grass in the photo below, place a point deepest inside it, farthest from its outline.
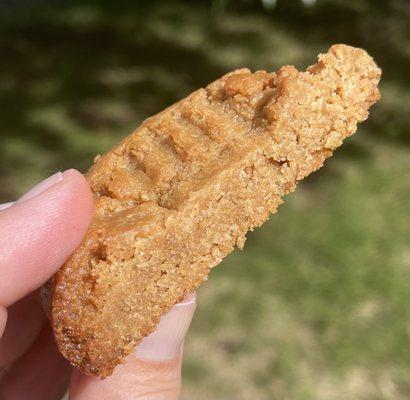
(316, 306)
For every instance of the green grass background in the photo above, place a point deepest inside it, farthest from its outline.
(316, 306)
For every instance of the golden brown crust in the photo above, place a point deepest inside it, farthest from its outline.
(175, 197)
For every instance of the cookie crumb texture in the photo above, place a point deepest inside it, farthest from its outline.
(176, 196)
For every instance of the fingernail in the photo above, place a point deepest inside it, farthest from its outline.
(4, 206)
(166, 341)
(41, 187)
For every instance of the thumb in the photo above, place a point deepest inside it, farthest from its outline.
(152, 372)
(40, 231)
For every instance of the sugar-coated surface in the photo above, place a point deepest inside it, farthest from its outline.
(179, 193)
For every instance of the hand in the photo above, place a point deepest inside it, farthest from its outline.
(38, 233)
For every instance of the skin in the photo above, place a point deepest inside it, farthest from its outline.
(39, 232)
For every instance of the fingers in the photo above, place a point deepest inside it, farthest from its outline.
(25, 320)
(40, 231)
(40, 374)
(135, 380)
(152, 372)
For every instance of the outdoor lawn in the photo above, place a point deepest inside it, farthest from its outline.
(317, 304)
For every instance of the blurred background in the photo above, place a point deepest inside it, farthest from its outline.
(316, 306)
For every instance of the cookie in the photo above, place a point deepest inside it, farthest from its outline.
(178, 194)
